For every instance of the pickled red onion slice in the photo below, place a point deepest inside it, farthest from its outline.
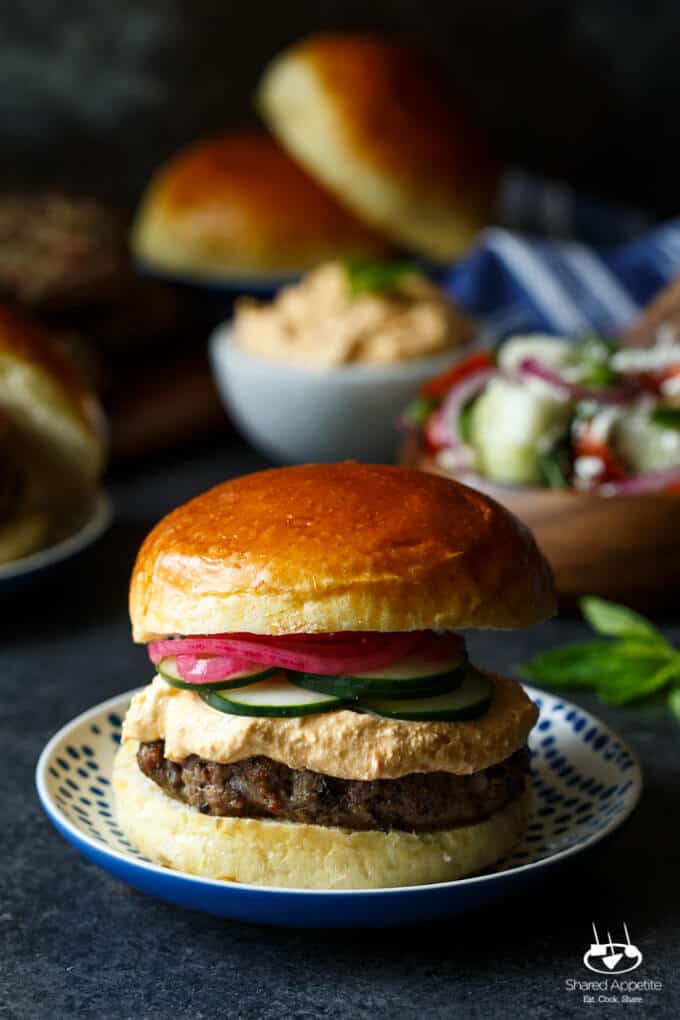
(615, 395)
(203, 669)
(323, 654)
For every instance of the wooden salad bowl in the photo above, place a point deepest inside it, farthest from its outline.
(624, 548)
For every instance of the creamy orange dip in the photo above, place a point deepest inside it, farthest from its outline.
(345, 744)
(319, 322)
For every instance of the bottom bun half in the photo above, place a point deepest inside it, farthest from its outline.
(301, 856)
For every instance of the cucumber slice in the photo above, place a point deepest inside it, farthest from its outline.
(414, 667)
(509, 423)
(644, 445)
(468, 701)
(411, 677)
(276, 696)
(168, 670)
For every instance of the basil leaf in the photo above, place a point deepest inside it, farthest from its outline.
(596, 663)
(579, 665)
(650, 650)
(594, 353)
(465, 420)
(618, 621)
(674, 702)
(419, 410)
(636, 679)
(639, 664)
(600, 377)
(556, 463)
(551, 469)
(366, 277)
(666, 416)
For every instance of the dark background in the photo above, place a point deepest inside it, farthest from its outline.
(94, 94)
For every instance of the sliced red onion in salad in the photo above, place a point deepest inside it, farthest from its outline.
(600, 407)
(448, 426)
(531, 367)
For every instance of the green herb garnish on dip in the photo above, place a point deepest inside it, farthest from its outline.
(366, 277)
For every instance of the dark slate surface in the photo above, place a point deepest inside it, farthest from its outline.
(76, 943)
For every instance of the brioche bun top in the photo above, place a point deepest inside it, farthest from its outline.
(237, 205)
(334, 547)
(367, 116)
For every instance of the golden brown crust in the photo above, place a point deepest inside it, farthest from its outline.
(394, 110)
(345, 744)
(295, 855)
(387, 115)
(237, 204)
(331, 547)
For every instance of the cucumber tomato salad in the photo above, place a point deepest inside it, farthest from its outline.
(547, 411)
(417, 676)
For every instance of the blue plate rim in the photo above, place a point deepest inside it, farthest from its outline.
(76, 836)
(98, 522)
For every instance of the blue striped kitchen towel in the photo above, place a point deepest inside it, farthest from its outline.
(513, 282)
(551, 209)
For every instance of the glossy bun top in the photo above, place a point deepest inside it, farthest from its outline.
(368, 116)
(237, 206)
(331, 547)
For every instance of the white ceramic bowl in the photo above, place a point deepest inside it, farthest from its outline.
(297, 414)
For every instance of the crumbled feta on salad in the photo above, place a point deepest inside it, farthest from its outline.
(543, 410)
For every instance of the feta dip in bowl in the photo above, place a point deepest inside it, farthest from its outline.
(323, 371)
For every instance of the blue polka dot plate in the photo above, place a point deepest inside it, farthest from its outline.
(585, 781)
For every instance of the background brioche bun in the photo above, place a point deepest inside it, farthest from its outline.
(237, 205)
(298, 855)
(329, 547)
(51, 437)
(46, 397)
(366, 116)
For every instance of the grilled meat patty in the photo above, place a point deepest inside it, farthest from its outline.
(262, 788)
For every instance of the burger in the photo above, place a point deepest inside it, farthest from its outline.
(315, 721)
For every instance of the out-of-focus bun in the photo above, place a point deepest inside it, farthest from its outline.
(367, 117)
(52, 444)
(47, 398)
(237, 205)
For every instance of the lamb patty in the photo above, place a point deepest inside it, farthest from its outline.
(259, 787)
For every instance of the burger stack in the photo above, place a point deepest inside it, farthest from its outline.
(315, 721)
